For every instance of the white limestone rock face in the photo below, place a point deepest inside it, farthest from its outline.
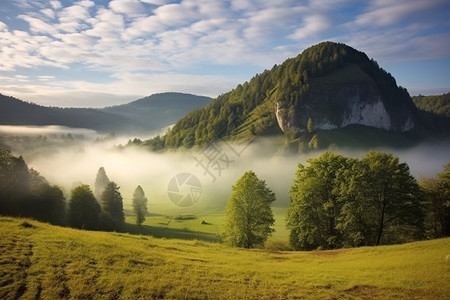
(359, 104)
(368, 114)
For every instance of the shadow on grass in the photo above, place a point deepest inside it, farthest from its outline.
(171, 233)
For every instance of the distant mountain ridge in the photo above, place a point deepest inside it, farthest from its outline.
(140, 116)
(329, 86)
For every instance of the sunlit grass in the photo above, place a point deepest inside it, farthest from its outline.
(43, 261)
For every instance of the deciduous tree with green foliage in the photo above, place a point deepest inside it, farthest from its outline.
(139, 205)
(381, 201)
(84, 209)
(337, 201)
(248, 216)
(437, 203)
(314, 209)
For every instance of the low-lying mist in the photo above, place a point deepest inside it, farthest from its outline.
(217, 167)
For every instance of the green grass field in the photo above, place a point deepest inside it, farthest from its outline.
(40, 261)
(206, 227)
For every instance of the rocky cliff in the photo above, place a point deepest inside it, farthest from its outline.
(349, 104)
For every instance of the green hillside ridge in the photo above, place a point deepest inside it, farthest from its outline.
(437, 104)
(312, 85)
(141, 116)
(41, 261)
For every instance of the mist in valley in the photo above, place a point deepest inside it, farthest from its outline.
(70, 163)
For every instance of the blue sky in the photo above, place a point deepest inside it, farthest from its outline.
(101, 53)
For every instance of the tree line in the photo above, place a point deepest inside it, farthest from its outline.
(338, 202)
(335, 202)
(25, 193)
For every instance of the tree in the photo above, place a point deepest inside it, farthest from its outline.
(314, 208)
(84, 209)
(382, 201)
(139, 205)
(112, 204)
(248, 215)
(338, 201)
(437, 203)
(101, 181)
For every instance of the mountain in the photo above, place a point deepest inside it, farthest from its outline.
(140, 116)
(329, 86)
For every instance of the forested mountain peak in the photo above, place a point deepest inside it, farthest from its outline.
(330, 84)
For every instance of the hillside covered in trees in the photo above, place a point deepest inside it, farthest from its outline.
(141, 116)
(437, 104)
(330, 85)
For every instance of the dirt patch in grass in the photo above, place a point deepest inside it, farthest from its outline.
(373, 292)
(327, 252)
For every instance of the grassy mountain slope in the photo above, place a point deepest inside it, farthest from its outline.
(150, 113)
(40, 261)
(307, 86)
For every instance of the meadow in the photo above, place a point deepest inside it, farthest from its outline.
(41, 261)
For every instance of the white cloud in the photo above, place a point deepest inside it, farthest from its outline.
(128, 7)
(50, 13)
(55, 4)
(38, 26)
(176, 14)
(72, 18)
(384, 13)
(312, 25)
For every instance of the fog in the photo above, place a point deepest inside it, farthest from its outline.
(72, 164)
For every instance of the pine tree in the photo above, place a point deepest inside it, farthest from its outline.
(112, 204)
(83, 208)
(248, 216)
(139, 205)
(101, 181)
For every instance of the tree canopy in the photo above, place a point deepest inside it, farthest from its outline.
(338, 201)
(437, 202)
(112, 204)
(248, 216)
(24, 192)
(84, 209)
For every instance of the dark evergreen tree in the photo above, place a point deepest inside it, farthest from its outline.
(84, 209)
(139, 205)
(101, 181)
(112, 204)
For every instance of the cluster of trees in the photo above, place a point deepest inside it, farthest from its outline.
(338, 202)
(25, 193)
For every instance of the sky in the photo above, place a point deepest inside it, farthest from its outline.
(96, 53)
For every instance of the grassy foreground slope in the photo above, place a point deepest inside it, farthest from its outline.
(40, 261)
